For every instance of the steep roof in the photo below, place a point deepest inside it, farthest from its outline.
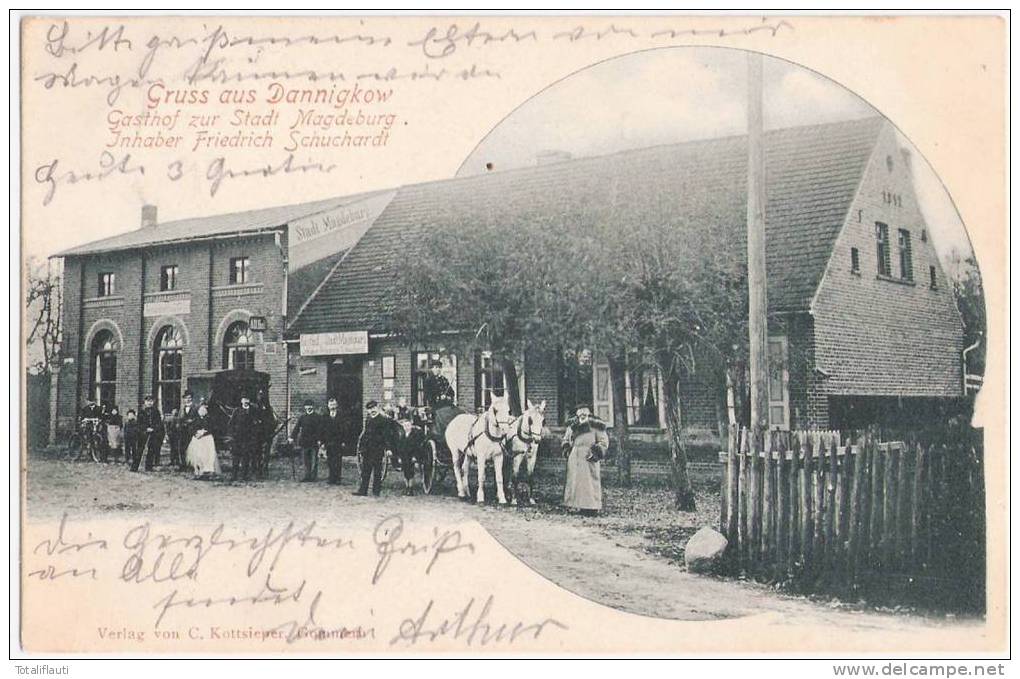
(204, 227)
(812, 175)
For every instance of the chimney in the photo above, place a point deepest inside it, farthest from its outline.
(552, 156)
(148, 216)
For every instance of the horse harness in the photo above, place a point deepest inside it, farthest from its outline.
(485, 432)
(528, 438)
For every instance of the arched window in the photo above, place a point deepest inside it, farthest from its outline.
(103, 384)
(168, 370)
(239, 347)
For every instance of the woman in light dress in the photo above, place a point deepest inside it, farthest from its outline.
(201, 453)
(584, 445)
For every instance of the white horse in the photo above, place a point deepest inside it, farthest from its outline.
(522, 441)
(479, 437)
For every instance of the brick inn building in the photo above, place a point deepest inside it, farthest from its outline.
(862, 318)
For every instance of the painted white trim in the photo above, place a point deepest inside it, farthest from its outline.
(161, 323)
(230, 318)
(102, 324)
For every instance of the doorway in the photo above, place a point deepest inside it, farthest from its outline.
(344, 383)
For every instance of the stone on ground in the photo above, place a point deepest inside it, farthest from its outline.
(704, 550)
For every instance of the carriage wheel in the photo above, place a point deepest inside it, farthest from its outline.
(428, 469)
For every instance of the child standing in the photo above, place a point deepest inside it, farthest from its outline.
(130, 437)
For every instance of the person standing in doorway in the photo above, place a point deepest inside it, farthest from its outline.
(333, 432)
(306, 433)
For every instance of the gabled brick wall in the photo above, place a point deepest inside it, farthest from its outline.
(880, 337)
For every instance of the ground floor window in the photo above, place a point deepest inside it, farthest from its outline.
(103, 388)
(490, 380)
(420, 361)
(779, 383)
(169, 368)
(239, 347)
(643, 396)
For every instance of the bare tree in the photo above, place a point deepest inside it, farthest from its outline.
(43, 313)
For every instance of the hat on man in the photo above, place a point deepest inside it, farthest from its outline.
(371, 404)
(583, 406)
(148, 397)
(436, 363)
(308, 402)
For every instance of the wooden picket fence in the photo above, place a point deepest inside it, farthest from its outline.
(812, 506)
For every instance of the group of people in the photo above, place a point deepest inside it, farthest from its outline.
(139, 436)
(396, 428)
(384, 430)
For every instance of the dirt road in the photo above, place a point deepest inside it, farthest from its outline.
(596, 558)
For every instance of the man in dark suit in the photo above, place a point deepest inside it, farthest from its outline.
(306, 433)
(150, 435)
(377, 438)
(185, 423)
(333, 433)
(244, 433)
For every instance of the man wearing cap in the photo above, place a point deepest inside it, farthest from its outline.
(150, 435)
(333, 433)
(376, 439)
(584, 445)
(306, 433)
(244, 434)
(438, 391)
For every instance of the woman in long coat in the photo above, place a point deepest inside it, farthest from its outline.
(584, 445)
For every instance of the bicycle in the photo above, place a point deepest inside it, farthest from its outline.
(86, 442)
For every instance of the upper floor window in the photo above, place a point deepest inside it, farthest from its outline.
(906, 261)
(855, 261)
(168, 277)
(240, 270)
(107, 284)
(933, 280)
(882, 249)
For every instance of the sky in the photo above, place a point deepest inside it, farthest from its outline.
(673, 95)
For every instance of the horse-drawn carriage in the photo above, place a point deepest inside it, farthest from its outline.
(448, 439)
(222, 391)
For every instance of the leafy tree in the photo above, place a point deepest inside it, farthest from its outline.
(970, 300)
(599, 276)
(490, 287)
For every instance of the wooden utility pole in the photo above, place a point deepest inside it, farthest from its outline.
(756, 279)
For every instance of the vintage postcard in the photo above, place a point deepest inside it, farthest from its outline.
(513, 335)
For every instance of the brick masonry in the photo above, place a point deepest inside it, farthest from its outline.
(212, 305)
(876, 336)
